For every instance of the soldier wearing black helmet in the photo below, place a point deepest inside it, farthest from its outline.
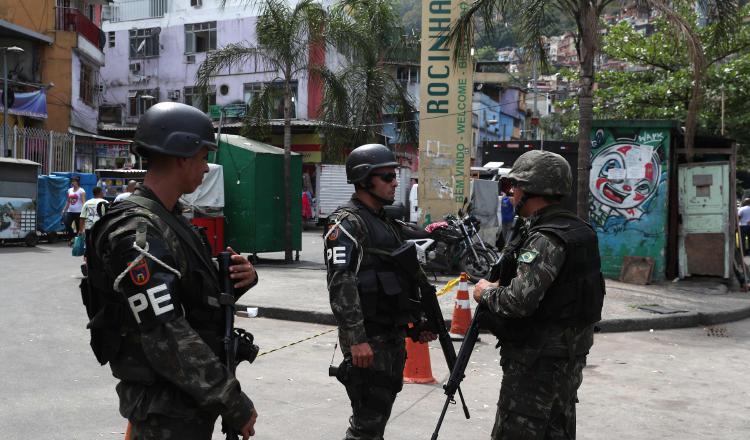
(543, 309)
(370, 298)
(152, 292)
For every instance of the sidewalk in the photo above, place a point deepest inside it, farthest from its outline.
(299, 293)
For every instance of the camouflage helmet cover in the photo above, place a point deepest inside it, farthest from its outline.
(542, 173)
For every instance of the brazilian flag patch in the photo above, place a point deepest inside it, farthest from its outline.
(527, 256)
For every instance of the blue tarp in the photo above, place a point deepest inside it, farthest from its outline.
(88, 181)
(31, 104)
(50, 202)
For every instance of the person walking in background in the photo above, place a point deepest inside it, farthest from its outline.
(744, 214)
(71, 213)
(90, 212)
(128, 191)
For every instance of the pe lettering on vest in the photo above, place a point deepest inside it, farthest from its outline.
(337, 255)
(156, 298)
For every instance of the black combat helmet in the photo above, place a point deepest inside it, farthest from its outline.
(173, 129)
(366, 158)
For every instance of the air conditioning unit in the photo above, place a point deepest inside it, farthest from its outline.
(174, 95)
(135, 68)
(189, 59)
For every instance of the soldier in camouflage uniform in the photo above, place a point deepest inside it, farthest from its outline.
(544, 306)
(153, 290)
(371, 299)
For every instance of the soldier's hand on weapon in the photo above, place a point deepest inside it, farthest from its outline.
(242, 271)
(425, 336)
(362, 355)
(248, 430)
(479, 288)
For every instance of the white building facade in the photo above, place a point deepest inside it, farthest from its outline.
(153, 51)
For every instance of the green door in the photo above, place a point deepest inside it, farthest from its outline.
(705, 239)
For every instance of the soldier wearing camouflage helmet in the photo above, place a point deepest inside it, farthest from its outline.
(370, 297)
(153, 292)
(543, 308)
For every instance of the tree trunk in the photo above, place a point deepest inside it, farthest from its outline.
(287, 171)
(691, 121)
(587, 49)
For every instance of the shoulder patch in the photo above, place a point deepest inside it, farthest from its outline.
(527, 256)
(140, 274)
(333, 232)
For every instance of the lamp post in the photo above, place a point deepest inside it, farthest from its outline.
(5, 51)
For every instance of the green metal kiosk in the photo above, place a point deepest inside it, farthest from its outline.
(254, 195)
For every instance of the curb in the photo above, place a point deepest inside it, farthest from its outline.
(682, 320)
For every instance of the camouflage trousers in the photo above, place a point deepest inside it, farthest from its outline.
(372, 398)
(537, 402)
(161, 427)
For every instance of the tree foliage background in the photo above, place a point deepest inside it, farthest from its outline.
(658, 86)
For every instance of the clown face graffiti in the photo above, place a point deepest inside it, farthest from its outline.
(623, 177)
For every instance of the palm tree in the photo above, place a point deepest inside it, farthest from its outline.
(532, 14)
(284, 36)
(355, 98)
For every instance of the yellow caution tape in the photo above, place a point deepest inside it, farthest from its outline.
(448, 286)
(296, 342)
(445, 289)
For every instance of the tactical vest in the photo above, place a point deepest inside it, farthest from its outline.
(114, 335)
(575, 298)
(385, 293)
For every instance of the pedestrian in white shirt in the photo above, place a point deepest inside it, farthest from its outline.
(71, 213)
(128, 191)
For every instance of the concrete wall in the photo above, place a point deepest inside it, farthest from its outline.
(629, 184)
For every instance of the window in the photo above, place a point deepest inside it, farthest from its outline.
(88, 85)
(110, 114)
(196, 3)
(408, 75)
(111, 38)
(253, 90)
(141, 100)
(144, 42)
(194, 97)
(200, 37)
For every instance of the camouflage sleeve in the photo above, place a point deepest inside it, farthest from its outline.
(343, 254)
(172, 347)
(177, 353)
(539, 261)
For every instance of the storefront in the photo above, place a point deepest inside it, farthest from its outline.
(100, 152)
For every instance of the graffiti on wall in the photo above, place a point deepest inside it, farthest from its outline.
(625, 179)
(628, 206)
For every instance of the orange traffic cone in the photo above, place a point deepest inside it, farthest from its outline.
(417, 368)
(128, 431)
(462, 310)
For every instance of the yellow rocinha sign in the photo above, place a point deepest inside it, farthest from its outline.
(445, 131)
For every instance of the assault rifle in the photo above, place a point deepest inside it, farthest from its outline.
(472, 334)
(238, 343)
(406, 258)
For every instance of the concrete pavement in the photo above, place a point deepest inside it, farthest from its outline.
(298, 292)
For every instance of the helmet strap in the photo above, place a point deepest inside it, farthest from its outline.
(519, 206)
(367, 186)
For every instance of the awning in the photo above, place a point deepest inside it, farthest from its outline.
(78, 132)
(31, 104)
(10, 30)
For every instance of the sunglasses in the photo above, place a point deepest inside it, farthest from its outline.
(385, 177)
